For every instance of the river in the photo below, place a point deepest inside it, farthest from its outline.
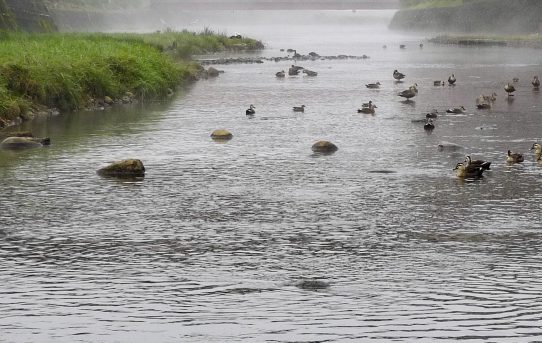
(211, 246)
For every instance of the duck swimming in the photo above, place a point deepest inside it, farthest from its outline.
(536, 82)
(368, 108)
(485, 165)
(280, 74)
(429, 126)
(433, 114)
(509, 89)
(310, 72)
(451, 79)
(251, 110)
(457, 110)
(514, 157)
(299, 108)
(373, 85)
(537, 148)
(468, 172)
(398, 76)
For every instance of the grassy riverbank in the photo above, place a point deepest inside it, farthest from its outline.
(69, 71)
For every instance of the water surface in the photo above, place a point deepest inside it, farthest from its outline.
(210, 246)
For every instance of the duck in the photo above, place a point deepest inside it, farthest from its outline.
(457, 110)
(437, 83)
(368, 108)
(294, 70)
(514, 157)
(468, 172)
(402, 46)
(509, 89)
(411, 92)
(280, 74)
(251, 110)
(477, 163)
(398, 76)
(536, 82)
(515, 79)
(433, 114)
(375, 85)
(451, 79)
(310, 72)
(537, 148)
(299, 108)
(429, 126)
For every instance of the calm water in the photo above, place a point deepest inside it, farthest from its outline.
(210, 245)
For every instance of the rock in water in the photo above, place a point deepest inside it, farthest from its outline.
(123, 169)
(324, 147)
(221, 135)
(15, 143)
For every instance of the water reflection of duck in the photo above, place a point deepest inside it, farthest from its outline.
(514, 157)
(251, 110)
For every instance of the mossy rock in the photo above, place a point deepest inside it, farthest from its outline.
(129, 168)
(222, 135)
(213, 72)
(324, 147)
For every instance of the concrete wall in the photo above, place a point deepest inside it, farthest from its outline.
(488, 16)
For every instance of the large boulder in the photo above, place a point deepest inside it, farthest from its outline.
(221, 135)
(15, 143)
(324, 147)
(124, 169)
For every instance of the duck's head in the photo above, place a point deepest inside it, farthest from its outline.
(468, 159)
(463, 108)
(509, 153)
(459, 166)
(537, 148)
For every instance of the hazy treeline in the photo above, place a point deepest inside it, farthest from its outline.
(96, 4)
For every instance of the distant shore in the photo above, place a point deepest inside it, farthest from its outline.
(526, 41)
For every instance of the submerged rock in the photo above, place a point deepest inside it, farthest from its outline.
(124, 169)
(24, 142)
(221, 135)
(324, 147)
(312, 284)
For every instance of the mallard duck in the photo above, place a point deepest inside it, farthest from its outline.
(251, 110)
(537, 148)
(468, 172)
(509, 89)
(451, 79)
(280, 74)
(373, 85)
(457, 110)
(397, 75)
(429, 126)
(477, 163)
(299, 108)
(536, 82)
(514, 157)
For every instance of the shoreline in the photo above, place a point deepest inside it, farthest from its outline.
(528, 41)
(48, 74)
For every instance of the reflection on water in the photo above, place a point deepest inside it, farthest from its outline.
(212, 244)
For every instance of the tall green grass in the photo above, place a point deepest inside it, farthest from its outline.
(66, 70)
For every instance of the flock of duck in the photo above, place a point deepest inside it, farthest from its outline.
(466, 169)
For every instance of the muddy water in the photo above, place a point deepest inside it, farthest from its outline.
(211, 246)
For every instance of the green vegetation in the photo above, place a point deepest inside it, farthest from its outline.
(66, 71)
(96, 4)
(420, 4)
